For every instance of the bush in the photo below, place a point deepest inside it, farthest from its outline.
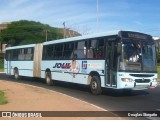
(1, 63)
(158, 58)
(3, 99)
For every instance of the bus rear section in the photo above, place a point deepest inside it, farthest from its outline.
(23, 60)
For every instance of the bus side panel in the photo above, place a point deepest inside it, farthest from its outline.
(25, 68)
(76, 71)
(60, 69)
(85, 68)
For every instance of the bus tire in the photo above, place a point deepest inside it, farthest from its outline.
(95, 85)
(16, 74)
(49, 80)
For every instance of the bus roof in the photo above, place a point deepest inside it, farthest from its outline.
(82, 37)
(22, 46)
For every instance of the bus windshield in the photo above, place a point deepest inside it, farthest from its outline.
(138, 56)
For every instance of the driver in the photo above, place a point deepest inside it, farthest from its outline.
(136, 53)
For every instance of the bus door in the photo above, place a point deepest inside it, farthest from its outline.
(8, 62)
(111, 61)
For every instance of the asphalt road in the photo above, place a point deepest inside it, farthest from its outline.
(112, 100)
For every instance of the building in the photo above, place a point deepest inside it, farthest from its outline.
(3, 46)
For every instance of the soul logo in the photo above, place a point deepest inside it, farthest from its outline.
(62, 65)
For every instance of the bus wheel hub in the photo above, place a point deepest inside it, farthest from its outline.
(94, 85)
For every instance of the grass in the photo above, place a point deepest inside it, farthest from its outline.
(1, 70)
(3, 99)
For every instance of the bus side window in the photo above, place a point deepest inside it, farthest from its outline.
(91, 46)
(44, 53)
(7, 55)
(29, 54)
(48, 52)
(100, 49)
(21, 54)
(58, 51)
(68, 50)
(80, 51)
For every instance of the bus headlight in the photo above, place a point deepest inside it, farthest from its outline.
(126, 79)
(154, 80)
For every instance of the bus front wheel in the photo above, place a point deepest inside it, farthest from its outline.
(49, 80)
(95, 85)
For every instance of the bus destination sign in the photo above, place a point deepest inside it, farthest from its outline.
(134, 35)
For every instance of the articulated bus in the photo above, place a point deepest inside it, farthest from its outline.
(125, 60)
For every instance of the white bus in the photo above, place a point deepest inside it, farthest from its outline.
(125, 60)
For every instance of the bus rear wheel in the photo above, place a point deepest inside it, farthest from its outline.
(16, 75)
(49, 80)
(95, 85)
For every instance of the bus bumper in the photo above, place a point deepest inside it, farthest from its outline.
(138, 86)
(126, 81)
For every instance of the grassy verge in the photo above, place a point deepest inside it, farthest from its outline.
(3, 99)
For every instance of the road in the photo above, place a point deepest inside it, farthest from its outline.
(148, 100)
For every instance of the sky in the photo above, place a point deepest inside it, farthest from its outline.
(81, 15)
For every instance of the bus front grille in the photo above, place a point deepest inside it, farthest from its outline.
(142, 80)
(142, 75)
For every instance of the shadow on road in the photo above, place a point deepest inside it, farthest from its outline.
(124, 93)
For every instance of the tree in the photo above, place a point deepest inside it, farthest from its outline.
(28, 32)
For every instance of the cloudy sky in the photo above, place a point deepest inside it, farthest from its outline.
(81, 15)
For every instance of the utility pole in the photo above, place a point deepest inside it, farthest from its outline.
(46, 35)
(46, 32)
(97, 15)
(64, 30)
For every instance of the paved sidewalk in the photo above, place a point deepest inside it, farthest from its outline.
(28, 98)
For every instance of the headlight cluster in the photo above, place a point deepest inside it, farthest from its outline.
(126, 79)
(154, 80)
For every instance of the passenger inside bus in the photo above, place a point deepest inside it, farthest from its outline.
(90, 53)
(80, 51)
(98, 53)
